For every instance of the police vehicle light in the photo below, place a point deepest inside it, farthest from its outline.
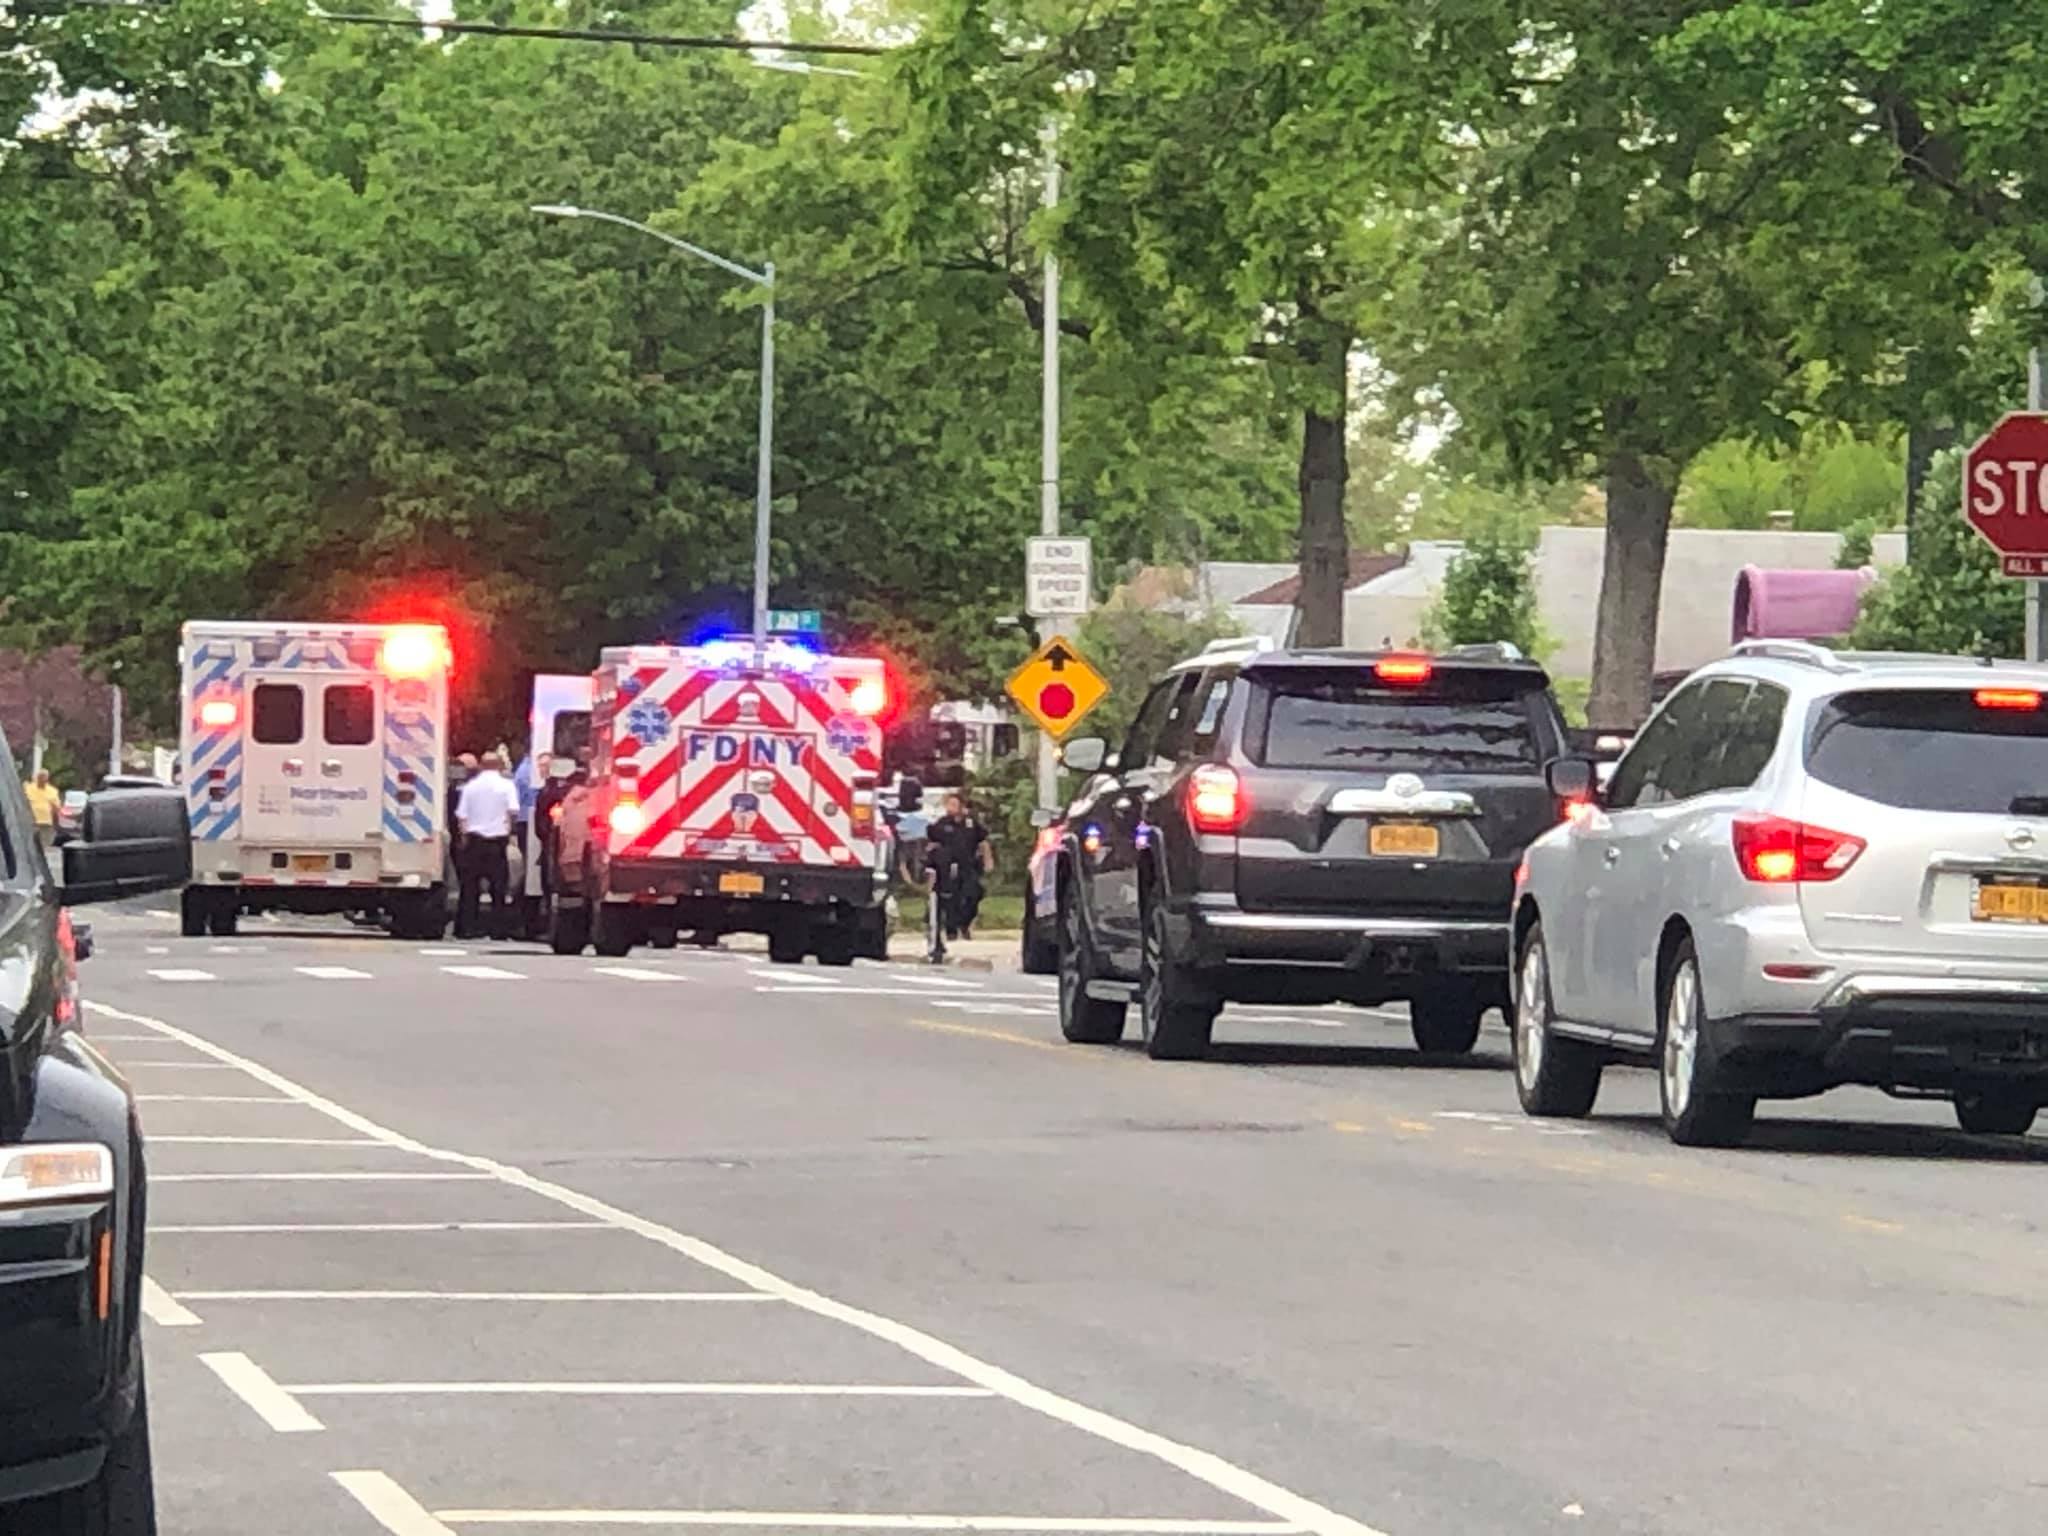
(627, 819)
(217, 714)
(870, 696)
(412, 651)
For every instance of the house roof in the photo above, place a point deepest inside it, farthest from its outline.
(1366, 564)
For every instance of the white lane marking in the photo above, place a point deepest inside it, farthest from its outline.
(936, 981)
(163, 1309)
(811, 981)
(178, 1066)
(1494, 1122)
(442, 953)
(263, 1141)
(253, 1385)
(623, 1389)
(183, 975)
(636, 973)
(466, 1296)
(1018, 1525)
(316, 1178)
(156, 949)
(332, 972)
(390, 1505)
(160, 912)
(917, 992)
(252, 1228)
(235, 949)
(484, 973)
(127, 1039)
(213, 1098)
(1204, 1466)
(1033, 1010)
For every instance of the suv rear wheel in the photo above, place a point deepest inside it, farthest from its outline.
(1553, 1075)
(1697, 1113)
(1445, 1022)
(1995, 1113)
(1084, 1020)
(1176, 1013)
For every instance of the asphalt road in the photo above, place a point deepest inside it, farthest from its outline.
(467, 1238)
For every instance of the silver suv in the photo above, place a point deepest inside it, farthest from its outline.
(1811, 868)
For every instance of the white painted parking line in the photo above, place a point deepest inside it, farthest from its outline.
(1226, 1477)
(316, 1178)
(484, 973)
(623, 1389)
(1016, 1525)
(332, 972)
(390, 1505)
(266, 1399)
(163, 1309)
(522, 1296)
(212, 1098)
(636, 973)
(255, 1228)
(263, 1141)
(184, 975)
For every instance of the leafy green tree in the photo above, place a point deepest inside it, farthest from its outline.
(1951, 597)
(1489, 593)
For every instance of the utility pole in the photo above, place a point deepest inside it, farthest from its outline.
(114, 745)
(2037, 613)
(1049, 454)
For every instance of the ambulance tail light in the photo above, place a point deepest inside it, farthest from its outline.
(870, 697)
(218, 714)
(860, 818)
(413, 650)
(627, 818)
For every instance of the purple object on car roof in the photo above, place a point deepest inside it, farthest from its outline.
(1798, 605)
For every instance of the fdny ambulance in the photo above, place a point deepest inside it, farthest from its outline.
(732, 789)
(315, 765)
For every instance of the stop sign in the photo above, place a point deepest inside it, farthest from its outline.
(2005, 492)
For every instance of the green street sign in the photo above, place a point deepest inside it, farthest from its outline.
(795, 621)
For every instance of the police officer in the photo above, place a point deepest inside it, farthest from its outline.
(958, 853)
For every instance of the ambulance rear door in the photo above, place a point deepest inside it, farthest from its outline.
(314, 755)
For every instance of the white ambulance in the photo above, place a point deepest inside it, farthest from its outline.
(558, 725)
(315, 771)
(732, 789)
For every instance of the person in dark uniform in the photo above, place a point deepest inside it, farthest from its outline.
(958, 853)
(563, 776)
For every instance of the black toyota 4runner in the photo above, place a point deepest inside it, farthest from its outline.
(1305, 827)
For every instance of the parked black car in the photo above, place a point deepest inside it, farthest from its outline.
(1305, 827)
(74, 1415)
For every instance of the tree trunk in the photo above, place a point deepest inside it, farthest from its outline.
(1325, 542)
(1631, 588)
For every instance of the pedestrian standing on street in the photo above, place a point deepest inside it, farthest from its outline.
(957, 851)
(43, 800)
(488, 807)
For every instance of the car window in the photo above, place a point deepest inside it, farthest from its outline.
(1933, 749)
(1699, 762)
(1656, 761)
(1137, 750)
(348, 714)
(277, 714)
(1180, 713)
(1753, 740)
(14, 837)
(1462, 721)
(1208, 715)
(572, 732)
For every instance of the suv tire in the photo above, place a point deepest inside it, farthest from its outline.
(837, 945)
(568, 928)
(1176, 1014)
(1554, 1076)
(1995, 1113)
(1697, 1113)
(120, 1501)
(787, 946)
(1445, 1022)
(1084, 1020)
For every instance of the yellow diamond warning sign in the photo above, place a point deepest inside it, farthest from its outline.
(1056, 687)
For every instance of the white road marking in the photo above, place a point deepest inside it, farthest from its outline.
(390, 1505)
(161, 912)
(936, 981)
(523, 1296)
(234, 949)
(636, 973)
(315, 1178)
(1037, 1009)
(484, 973)
(263, 1141)
(178, 1066)
(127, 1039)
(184, 975)
(797, 977)
(1204, 1466)
(212, 1098)
(163, 1309)
(445, 954)
(156, 949)
(623, 1389)
(1020, 1525)
(1494, 1122)
(332, 973)
(270, 1402)
(278, 1227)
(917, 992)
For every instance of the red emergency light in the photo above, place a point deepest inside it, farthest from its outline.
(870, 697)
(413, 650)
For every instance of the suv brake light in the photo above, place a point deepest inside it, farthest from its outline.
(2008, 698)
(1404, 671)
(1775, 851)
(1216, 800)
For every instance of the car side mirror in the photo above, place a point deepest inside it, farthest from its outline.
(1573, 778)
(130, 842)
(1085, 754)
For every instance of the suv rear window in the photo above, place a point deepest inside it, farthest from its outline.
(1461, 721)
(1930, 750)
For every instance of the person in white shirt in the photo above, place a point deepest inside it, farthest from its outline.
(485, 813)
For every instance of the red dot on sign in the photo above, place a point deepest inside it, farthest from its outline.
(1055, 701)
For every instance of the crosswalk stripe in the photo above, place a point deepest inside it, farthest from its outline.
(183, 975)
(483, 973)
(332, 973)
(636, 973)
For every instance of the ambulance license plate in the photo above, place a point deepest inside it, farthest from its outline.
(310, 863)
(741, 885)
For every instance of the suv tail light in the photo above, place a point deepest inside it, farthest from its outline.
(1216, 800)
(1775, 851)
(1404, 671)
(2008, 698)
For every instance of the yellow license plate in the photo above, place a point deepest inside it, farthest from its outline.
(1403, 839)
(741, 885)
(309, 863)
(2011, 904)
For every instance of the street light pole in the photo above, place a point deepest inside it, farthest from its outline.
(764, 464)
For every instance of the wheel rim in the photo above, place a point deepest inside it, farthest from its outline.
(1681, 1039)
(1152, 979)
(1531, 1024)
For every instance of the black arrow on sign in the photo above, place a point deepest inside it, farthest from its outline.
(1059, 656)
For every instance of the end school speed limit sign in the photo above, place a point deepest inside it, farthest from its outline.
(1057, 687)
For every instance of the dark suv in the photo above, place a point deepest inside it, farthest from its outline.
(1305, 827)
(74, 1426)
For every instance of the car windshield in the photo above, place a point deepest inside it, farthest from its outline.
(1934, 749)
(1458, 722)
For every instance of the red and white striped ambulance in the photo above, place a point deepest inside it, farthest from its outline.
(732, 789)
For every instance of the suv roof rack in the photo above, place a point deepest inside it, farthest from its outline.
(1232, 645)
(1805, 652)
(1490, 650)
